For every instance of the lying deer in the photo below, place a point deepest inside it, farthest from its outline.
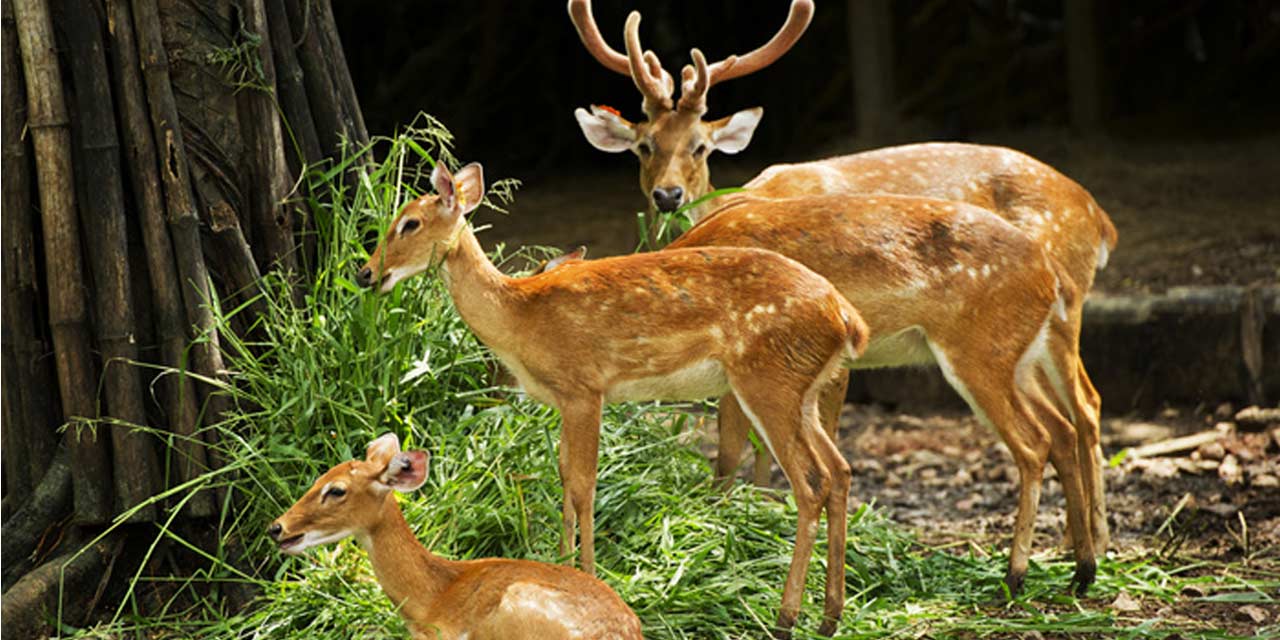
(674, 142)
(488, 599)
(674, 325)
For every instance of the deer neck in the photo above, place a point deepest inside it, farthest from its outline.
(481, 293)
(410, 575)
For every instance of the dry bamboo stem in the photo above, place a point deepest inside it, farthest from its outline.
(316, 76)
(103, 219)
(63, 271)
(292, 95)
(352, 116)
(166, 296)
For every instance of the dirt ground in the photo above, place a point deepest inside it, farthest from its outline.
(1188, 213)
(954, 483)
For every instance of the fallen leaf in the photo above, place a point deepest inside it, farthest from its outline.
(1125, 602)
(1255, 613)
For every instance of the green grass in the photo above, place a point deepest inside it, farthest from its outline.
(323, 379)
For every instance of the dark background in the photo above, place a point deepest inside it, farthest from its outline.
(505, 76)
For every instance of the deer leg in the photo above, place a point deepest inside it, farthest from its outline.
(777, 417)
(579, 458)
(987, 385)
(733, 427)
(837, 532)
(1091, 458)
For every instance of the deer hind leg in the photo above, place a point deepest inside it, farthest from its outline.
(830, 402)
(987, 385)
(579, 459)
(1091, 458)
(804, 453)
(733, 426)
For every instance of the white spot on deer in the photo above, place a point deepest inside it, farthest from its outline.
(986, 270)
(716, 332)
(956, 268)
(973, 273)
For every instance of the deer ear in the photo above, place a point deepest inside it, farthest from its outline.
(406, 471)
(381, 450)
(468, 186)
(605, 129)
(733, 134)
(442, 180)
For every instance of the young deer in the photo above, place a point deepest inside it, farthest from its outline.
(489, 599)
(1055, 211)
(674, 325)
(938, 282)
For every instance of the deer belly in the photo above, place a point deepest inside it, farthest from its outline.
(905, 348)
(703, 379)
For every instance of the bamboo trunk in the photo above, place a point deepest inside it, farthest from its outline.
(353, 118)
(319, 82)
(183, 221)
(179, 392)
(28, 420)
(47, 121)
(269, 178)
(292, 95)
(103, 219)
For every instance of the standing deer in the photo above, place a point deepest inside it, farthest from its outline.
(488, 599)
(1050, 208)
(673, 325)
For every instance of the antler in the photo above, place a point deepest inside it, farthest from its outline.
(654, 83)
(696, 80)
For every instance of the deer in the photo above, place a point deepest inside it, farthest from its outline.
(671, 325)
(1052, 209)
(485, 599)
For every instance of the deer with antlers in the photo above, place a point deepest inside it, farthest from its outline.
(672, 325)
(1052, 210)
(487, 599)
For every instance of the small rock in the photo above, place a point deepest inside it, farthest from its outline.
(1125, 602)
(927, 458)
(1212, 451)
(1230, 471)
(1224, 411)
(962, 478)
(1266, 481)
(1225, 428)
(928, 474)
(969, 503)
(1253, 612)
(1258, 417)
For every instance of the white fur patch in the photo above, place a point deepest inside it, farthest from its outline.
(949, 372)
(703, 379)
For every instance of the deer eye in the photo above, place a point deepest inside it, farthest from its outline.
(700, 150)
(409, 226)
(644, 148)
(333, 492)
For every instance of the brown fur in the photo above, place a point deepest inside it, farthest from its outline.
(670, 325)
(488, 599)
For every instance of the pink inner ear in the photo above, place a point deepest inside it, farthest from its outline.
(407, 470)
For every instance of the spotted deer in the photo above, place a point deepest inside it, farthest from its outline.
(672, 325)
(488, 599)
(1053, 210)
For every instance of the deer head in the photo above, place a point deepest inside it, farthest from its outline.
(674, 141)
(350, 498)
(427, 228)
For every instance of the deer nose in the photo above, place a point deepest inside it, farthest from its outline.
(274, 531)
(364, 277)
(668, 198)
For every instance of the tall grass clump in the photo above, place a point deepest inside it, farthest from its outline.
(313, 383)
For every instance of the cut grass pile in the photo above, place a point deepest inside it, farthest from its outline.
(320, 381)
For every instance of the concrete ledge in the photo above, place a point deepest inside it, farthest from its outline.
(1186, 346)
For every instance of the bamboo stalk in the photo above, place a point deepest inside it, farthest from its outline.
(102, 217)
(352, 116)
(18, 270)
(272, 220)
(166, 295)
(323, 97)
(183, 221)
(292, 95)
(63, 270)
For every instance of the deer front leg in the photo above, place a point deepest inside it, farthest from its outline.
(579, 460)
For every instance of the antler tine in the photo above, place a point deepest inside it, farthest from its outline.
(792, 29)
(654, 83)
(695, 79)
(585, 23)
